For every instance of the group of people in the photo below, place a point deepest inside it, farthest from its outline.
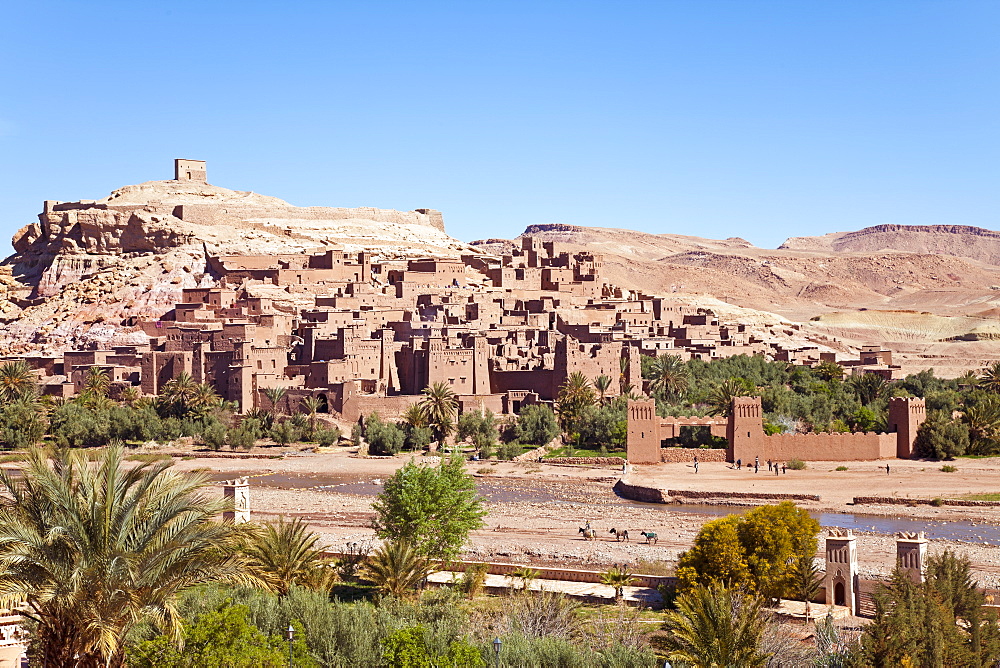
(771, 466)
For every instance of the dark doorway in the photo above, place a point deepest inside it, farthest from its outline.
(324, 405)
(838, 594)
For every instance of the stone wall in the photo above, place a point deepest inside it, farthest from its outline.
(592, 461)
(679, 455)
(689, 494)
(896, 501)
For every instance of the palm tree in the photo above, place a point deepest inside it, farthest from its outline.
(204, 396)
(829, 370)
(869, 387)
(275, 395)
(984, 423)
(312, 406)
(16, 380)
(990, 378)
(575, 396)
(618, 577)
(96, 383)
(623, 366)
(525, 576)
(286, 554)
(716, 626)
(414, 416)
(720, 399)
(129, 396)
(601, 384)
(804, 581)
(669, 376)
(439, 406)
(92, 550)
(177, 392)
(396, 568)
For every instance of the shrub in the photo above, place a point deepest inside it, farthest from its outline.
(213, 436)
(284, 433)
(940, 437)
(508, 451)
(536, 425)
(797, 465)
(840, 468)
(242, 437)
(328, 437)
(937, 502)
(384, 438)
(948, 468)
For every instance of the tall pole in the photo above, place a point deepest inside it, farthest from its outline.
(291, 637)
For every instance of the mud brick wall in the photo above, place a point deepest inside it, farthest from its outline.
(594, 461)
(895, 501)
(688, 494)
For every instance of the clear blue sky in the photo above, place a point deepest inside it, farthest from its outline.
(744, 118)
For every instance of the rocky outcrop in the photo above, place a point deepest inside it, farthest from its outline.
(85, 269)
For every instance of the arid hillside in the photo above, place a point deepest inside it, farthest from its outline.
(931, 293)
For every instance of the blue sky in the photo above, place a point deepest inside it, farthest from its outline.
(753, 118)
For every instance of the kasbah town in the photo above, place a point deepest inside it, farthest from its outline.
(504, 332)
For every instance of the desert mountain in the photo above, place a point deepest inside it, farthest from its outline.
(86, 266)
(974, 243)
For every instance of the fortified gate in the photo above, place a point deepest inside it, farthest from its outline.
(744, 429)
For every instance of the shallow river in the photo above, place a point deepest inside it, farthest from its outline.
(509, 491)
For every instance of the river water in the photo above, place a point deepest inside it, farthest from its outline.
(524, 491)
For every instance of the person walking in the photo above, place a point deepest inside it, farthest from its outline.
(739, 464)
(696, 463)
(768, 465)
(775, 468)
(756, 465)
(887, 468)
(783, 471)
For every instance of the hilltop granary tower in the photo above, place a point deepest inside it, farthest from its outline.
(190, 170)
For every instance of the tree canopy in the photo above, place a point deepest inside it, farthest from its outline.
(432, 507)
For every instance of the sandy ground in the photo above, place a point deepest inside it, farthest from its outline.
(535, 510)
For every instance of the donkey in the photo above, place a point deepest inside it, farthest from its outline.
(619, 535)
(650, 537)
(588, 534)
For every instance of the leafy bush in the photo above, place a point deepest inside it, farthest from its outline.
(328, 437)
(384, 438)
(536, 425)
(948, 468)
(214, 436)
(840, 468)
(284, 433)
(796, 465)
(242, 437)
(507, 451)
(940, 437)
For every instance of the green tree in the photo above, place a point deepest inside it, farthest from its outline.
(96, 382)
(576, 396)
(829, 371)
(176, 394)
(983, 421)
(408, 648)
(223, 638)
(481, 428)
(940, 437)
(870, 387)
(275, 395)
(439, 406)
(434, 508)
(536, 425)
(668, 376)
(721, 397)
(757, 550)
(805, 581)
(17, 381)
(601, 384)
(618, 577)
(284, 554)
(384, 438)
(990, 378)
(716, 626)
(396, 568)
(92, 550)
(312, 405)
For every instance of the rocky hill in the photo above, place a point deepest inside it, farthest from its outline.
(86, 266)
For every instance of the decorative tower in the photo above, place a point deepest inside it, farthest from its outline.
(842, 569)
(911, 549)
(239, 491)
